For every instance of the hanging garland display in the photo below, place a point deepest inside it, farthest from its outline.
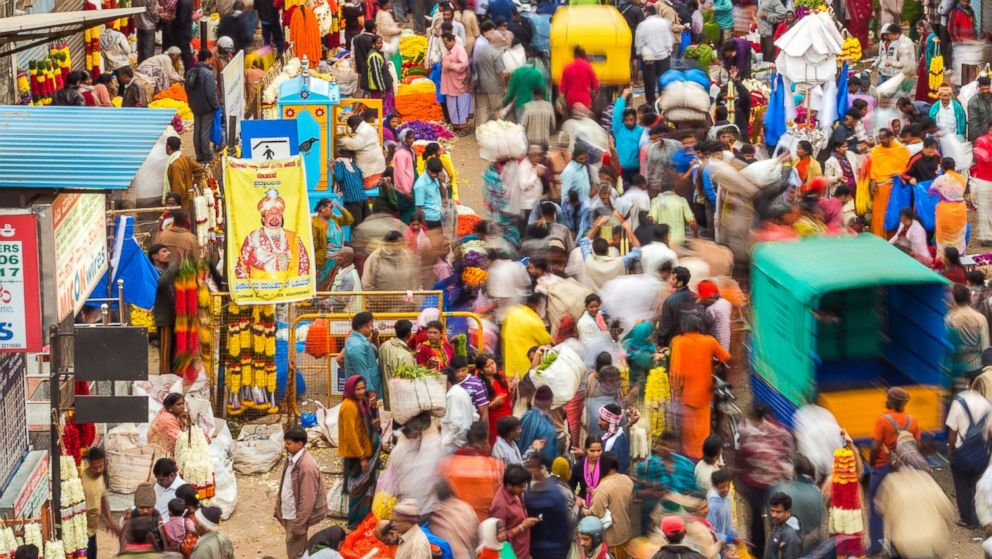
(187, 336)
(75, 535)
(251, 359)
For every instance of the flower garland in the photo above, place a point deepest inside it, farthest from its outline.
(657, 395)
(250, 359)
(54, 550)
(75, 536)
(32, 535)
(187, 336)
(193, 460)
(844, 517)
(8, 543)
(474, 277)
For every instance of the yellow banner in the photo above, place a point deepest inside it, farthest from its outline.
(269, 243)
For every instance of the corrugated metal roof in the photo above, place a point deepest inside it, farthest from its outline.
(76, 147)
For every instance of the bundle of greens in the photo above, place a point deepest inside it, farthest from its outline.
(549, 358)
(413, 372)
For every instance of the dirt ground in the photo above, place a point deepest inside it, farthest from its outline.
(256, 534)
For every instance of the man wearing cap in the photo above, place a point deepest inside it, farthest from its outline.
(895, 53)
(887, 428)
(144, 507)
(673, 528)
(211, 544)
(413, 543)
(717, 312)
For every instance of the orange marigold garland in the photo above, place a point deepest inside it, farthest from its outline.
(845, 517)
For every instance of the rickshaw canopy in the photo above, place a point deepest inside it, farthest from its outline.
(843, 312)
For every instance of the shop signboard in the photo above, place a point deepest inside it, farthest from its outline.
(233, 80)
(80, 242)
(13, 414)
(20, 296)
(35, 490)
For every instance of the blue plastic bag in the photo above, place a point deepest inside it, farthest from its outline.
(686, 41)
(669, 77)
(925, 205)
(900, 199)
(435, 77)
(697, 76)
(217, 130)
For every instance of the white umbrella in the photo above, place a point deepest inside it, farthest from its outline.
(809, 50)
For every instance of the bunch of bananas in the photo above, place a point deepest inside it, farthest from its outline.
(935, 77)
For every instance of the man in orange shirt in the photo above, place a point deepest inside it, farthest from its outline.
(887, 429)
(692, 381)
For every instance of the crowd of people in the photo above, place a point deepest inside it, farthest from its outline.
(649, 225)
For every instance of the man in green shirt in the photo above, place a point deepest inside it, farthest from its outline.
(520, 89)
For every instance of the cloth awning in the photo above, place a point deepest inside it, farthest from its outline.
(76, 147)
(18, 33)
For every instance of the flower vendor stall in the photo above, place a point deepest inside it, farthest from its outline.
(418, 100)
(250, 359)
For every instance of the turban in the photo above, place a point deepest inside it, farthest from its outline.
(272, 200)
(407, 510)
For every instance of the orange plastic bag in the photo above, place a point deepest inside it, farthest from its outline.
(362, 540)
(319, 342)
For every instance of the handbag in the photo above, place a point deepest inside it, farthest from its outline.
(217, 129)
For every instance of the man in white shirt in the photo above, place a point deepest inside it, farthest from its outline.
(653, 43)
(458, 417)
(968, 408)
(167, 480)
(656, 253)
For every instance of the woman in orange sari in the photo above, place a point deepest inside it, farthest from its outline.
(806, 167)
(952, 211)
(168, 425)
(888, 159)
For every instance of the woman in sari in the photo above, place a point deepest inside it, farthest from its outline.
(912, 237)
(168, 425)
(585, 472)
(498, 389)
(328, 239)
(425, 317)
(592, 323)
(785, 25)
(929, 48)
(806, 167)
(952, 211)
(640, 353)
(359, 445)
(435, 352)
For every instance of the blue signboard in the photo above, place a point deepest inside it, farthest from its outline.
(269, 139)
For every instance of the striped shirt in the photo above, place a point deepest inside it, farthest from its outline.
(350, 183)
(672, 210)
(718, 321)
(476, 390)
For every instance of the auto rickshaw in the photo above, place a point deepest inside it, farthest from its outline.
(602, 32)
(838, 321)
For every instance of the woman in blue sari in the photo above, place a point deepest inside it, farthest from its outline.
(640, 354)
(328, 238)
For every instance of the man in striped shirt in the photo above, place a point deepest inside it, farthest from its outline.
(473, 385)
(717, 314)
(350, 183)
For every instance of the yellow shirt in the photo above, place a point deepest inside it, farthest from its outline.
(522, 330)
(94, 490)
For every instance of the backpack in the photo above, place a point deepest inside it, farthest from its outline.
(973, 454)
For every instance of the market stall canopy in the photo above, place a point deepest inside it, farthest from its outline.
(809, 50)
(18, 33)
(97, 148)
